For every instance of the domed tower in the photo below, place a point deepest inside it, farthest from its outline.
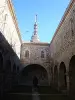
(35, 37)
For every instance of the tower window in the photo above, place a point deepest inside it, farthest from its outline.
(42, 54)
(27, 53)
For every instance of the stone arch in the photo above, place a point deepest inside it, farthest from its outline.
(62, 76)
(36, 64)
(32, 70)
(1, 61)
(55, 76)
(72, 75)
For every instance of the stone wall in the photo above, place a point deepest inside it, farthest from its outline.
(35, 53)
(64, 39)
(9, 66)
(35, 50)
(9, 26)
(62, 46)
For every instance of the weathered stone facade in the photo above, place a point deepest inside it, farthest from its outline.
(62, 49)
(35, 54)
(9, 66)
(10, 42)
(35, 50)
(8, 25)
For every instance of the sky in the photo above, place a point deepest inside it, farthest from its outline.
(49, 14)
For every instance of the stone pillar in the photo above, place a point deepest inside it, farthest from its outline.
(67, 77)
(58, 78)
(53, 75)
(48, 72)
(49, 79)
(58, 83)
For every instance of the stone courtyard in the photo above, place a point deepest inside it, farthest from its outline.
(52, 63)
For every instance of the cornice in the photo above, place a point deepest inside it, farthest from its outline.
(11, 8)
(40, 43)
(63, 18)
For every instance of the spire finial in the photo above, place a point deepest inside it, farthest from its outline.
(35, 18)
(35, 37)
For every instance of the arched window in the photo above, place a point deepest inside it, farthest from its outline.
(42, 54)
(27, 53)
